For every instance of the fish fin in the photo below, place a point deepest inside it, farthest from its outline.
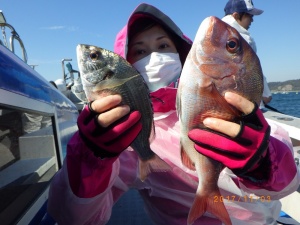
(178, 102)
(152, 134)
(210, 204)
(155, 164)
(186, 160)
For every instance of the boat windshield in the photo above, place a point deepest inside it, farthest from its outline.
(27, 162)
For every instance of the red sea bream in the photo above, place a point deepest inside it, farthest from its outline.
(220, 60)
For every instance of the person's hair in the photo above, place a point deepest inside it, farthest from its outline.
(241, 14)
(53, 83)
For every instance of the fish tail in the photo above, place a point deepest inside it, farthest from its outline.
(208, 203)
(155, 164)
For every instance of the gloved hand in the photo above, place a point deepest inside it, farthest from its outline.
(242, 153)
(112, 140)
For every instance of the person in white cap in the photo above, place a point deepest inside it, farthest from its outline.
(239, 14)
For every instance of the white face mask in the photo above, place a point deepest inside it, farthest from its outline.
(159, 69)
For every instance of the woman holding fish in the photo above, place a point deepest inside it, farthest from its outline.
(220, 161)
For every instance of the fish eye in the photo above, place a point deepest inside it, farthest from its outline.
(233, 45)
(94, 55)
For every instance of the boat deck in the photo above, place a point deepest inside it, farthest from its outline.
(129, 210)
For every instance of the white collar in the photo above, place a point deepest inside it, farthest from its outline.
(229, 19)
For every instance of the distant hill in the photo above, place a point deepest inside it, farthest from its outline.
(289, 85)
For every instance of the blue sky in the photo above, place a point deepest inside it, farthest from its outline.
(52, 29)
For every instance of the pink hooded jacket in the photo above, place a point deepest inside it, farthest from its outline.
(97, 184)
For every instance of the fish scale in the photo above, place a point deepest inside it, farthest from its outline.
(220, 60)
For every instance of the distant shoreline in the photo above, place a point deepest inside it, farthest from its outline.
(284, 92)
(286, 86)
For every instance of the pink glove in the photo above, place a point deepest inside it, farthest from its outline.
(112, 140)
(242, 153)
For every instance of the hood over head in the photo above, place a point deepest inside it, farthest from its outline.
(182, 43)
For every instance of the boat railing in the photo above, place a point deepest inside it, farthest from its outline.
(14, 36)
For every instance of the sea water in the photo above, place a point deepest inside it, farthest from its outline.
(287, 103)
